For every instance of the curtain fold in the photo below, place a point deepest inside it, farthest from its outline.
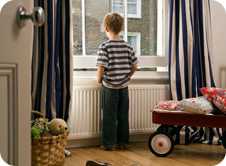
(190, 47)
(51, 60)
(190, 52)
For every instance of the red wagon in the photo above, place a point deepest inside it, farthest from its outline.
(161, 142)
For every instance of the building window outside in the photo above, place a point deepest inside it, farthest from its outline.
(134, 7)
(88, 32)
(133, 38)
(117, 6)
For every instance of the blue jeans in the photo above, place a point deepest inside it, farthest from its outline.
(115, 124)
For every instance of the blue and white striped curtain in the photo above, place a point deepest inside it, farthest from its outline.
(190, 52)
(190, 47)
(51, 60)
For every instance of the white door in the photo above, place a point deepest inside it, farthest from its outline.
(15, 84)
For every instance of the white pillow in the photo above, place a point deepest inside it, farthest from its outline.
(198, 105)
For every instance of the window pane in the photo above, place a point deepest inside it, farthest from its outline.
(117, 6)
(95, 12)
(132, 1)
(146, 26)
(132, 40)
(77, 27)
(132, 9)
(94, 35)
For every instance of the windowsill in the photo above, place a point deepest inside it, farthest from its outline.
(82, 62)
(139, 75)
(134, 17)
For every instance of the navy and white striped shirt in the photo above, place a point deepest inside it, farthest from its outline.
(117, 57)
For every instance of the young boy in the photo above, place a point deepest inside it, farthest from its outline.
(116, 64)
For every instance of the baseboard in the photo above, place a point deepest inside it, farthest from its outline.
(95, 141)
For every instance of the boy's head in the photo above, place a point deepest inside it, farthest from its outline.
(113, 23)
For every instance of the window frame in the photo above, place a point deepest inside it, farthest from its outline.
(85, 61)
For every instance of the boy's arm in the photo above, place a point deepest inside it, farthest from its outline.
(100, 73)
(133, 69)
(134, 63)
(102, 62)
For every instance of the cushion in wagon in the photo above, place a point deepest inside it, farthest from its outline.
(170, 105)
(208, 92)
(217, 96)
(199, 105)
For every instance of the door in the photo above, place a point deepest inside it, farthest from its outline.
(15, 84)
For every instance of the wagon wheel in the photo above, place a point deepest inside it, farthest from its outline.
(161, 144)
(163, 129)
(170, 130)
(223, 139)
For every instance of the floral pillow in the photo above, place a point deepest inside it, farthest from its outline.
(217, 96)
(170, 105)
(220, 103)
(208, 92)
(199, 105)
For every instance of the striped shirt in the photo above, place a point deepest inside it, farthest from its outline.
(117, 57)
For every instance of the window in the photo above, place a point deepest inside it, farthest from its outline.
(133, 39)
(145, 34)
(133, 7)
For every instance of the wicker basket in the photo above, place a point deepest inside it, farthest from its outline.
(49, 150)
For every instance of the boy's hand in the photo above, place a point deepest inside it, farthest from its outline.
(133, 69)
(100, 73)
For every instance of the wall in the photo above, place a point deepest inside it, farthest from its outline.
(219, 39)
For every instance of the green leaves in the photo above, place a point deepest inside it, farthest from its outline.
(35, 132)
(39, 128)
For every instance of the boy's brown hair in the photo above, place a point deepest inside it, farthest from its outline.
(113, 22)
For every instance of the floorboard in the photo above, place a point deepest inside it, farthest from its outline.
(139, 155)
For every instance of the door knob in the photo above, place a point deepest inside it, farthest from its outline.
(37, 16)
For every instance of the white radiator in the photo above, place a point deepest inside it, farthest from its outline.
(85, 118)
(223, 77)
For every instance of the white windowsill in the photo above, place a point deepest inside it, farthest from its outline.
(144, 61)
(89, 77)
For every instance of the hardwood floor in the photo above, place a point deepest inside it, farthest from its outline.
(139, 155)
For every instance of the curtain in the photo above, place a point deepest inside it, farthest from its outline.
(51, 61)
(190, 51)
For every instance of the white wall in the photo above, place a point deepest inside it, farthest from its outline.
(219, 37)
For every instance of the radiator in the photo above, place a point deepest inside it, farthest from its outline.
(223, 77)
(85, 116)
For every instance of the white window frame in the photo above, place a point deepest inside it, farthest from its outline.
(138, 15)
(139, 9)
(89, 61)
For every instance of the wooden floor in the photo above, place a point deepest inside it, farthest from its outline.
(139, 155)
